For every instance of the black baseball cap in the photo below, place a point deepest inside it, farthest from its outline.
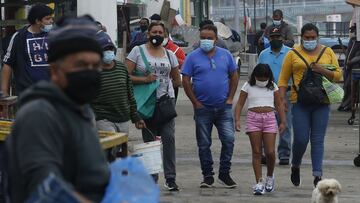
(275, 32)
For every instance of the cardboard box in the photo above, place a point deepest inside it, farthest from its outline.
(353, 2)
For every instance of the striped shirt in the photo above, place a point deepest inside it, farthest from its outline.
(116, 101)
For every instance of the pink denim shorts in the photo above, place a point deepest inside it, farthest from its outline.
(261, 122)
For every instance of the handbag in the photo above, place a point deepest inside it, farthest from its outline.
(145, 94)
(165, 106)
(310, 89)
(334, 92)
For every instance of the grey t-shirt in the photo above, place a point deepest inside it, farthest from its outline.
(160, 66)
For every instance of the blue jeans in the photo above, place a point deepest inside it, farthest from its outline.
(310, 123)
(222, 118)
(284, 147)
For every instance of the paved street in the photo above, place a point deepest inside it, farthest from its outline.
(341, 147)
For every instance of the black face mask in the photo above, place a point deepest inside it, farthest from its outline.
(83, 86)
(276, 43)
(156, 40)
(143, 28)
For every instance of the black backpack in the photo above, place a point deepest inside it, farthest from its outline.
(310, 91)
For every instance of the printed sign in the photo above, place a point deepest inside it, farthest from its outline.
(37, 48)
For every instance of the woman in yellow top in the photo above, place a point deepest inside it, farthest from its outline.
(309, 121)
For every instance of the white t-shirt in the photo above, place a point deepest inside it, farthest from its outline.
(160, 66)
(259, 96)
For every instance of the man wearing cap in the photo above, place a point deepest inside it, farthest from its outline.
(26, 55)
(115, 104)
(274, 57)
(53, 132)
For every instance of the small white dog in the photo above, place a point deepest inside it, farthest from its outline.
(326, 191)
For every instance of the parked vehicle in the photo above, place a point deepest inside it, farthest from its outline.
(334, 43)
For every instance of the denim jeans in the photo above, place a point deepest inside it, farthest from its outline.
(284, 147)
(310, 123)
(223, 120)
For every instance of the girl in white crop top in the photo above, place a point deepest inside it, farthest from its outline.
(261, 124)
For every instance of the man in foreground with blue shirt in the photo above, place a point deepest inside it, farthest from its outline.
(214, 82)
(274, 57)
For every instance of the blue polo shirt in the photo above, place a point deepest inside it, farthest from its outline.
(274, 60)
(210, 75)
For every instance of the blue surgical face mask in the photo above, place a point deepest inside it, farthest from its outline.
(47, 28)
(309, 45)
(277, 22)
(207, 44)
(108, 57)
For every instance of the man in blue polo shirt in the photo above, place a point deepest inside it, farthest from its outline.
(274, 56)
(214, 82)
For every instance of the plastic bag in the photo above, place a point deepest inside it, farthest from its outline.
(334, 92)
(130, 183)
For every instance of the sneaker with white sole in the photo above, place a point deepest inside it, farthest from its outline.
(171, 185)
(226, 180)
(259, 188)
(207, 182)
(270, 183)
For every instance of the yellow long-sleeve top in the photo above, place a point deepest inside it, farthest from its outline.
(293, 65)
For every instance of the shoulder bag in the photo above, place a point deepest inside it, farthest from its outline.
(145, 94)
(165, 105)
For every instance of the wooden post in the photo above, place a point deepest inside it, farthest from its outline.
(122, 56)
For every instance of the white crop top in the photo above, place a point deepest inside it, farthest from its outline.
(259, 96)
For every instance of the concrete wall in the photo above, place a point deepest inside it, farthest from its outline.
(104, 11)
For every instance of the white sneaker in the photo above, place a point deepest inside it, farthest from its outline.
(269, 184)
(259, 188)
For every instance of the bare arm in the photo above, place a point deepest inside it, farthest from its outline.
(5, 79)
(138, 79)
(281, 111)
(189, 92)
(238, 109)
(175, 75)
(282, 96)
(232, 87)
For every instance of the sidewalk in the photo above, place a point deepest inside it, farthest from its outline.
(341, 147)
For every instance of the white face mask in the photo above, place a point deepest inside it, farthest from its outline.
(164, 43)
(262, 83)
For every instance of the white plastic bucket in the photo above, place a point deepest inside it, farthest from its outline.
(150, 154)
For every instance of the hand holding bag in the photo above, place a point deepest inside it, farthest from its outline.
(334, 92)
